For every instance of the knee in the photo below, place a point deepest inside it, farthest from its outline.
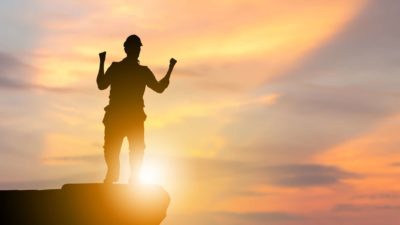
(107, 149)
(110, 150)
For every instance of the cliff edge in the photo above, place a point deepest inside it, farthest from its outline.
(85, 204)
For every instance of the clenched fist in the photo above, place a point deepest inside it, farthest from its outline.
(172, 62)
(102, 56)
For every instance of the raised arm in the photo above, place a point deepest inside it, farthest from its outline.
(102, 81)
(172, 63)
(160, 86)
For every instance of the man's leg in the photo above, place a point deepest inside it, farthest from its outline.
(113, 138)
(136, 150)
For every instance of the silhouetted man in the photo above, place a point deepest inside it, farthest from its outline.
(124, 115)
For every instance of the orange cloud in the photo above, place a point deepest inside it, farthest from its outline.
(375, 156)
(279, 32)
(58, 146)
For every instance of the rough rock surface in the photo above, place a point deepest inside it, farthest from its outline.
(85, 204)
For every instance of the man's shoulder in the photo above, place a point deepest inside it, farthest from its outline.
(114, 64)
(117, 65)
(144, 67)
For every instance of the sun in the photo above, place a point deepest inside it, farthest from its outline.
(150, 174)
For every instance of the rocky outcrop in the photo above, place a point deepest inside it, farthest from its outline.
(85, 204)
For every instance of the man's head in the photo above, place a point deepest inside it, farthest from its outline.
(132, 46)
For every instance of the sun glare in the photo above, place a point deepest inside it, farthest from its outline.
(150, 174)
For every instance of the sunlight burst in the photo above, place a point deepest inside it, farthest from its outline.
(150, 174)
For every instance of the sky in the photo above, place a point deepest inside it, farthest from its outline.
(278, 112)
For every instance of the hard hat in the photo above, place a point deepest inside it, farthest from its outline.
(132, 40)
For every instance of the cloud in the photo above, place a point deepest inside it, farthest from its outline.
(354, 73)
(13, 71)
(76, 159)
(395, 164)
(378, 196)
(358, 55)
(307, 175)
(17, 75)
(256, 217)
(16, 85)
(235, 218)
(372, 153)
(281, 134)
(340, 90)
(217, 184)
(286, 175)
(51, 183)
(357, 208)
(232, 47)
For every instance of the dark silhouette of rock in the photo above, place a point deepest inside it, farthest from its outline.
(85, 204)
